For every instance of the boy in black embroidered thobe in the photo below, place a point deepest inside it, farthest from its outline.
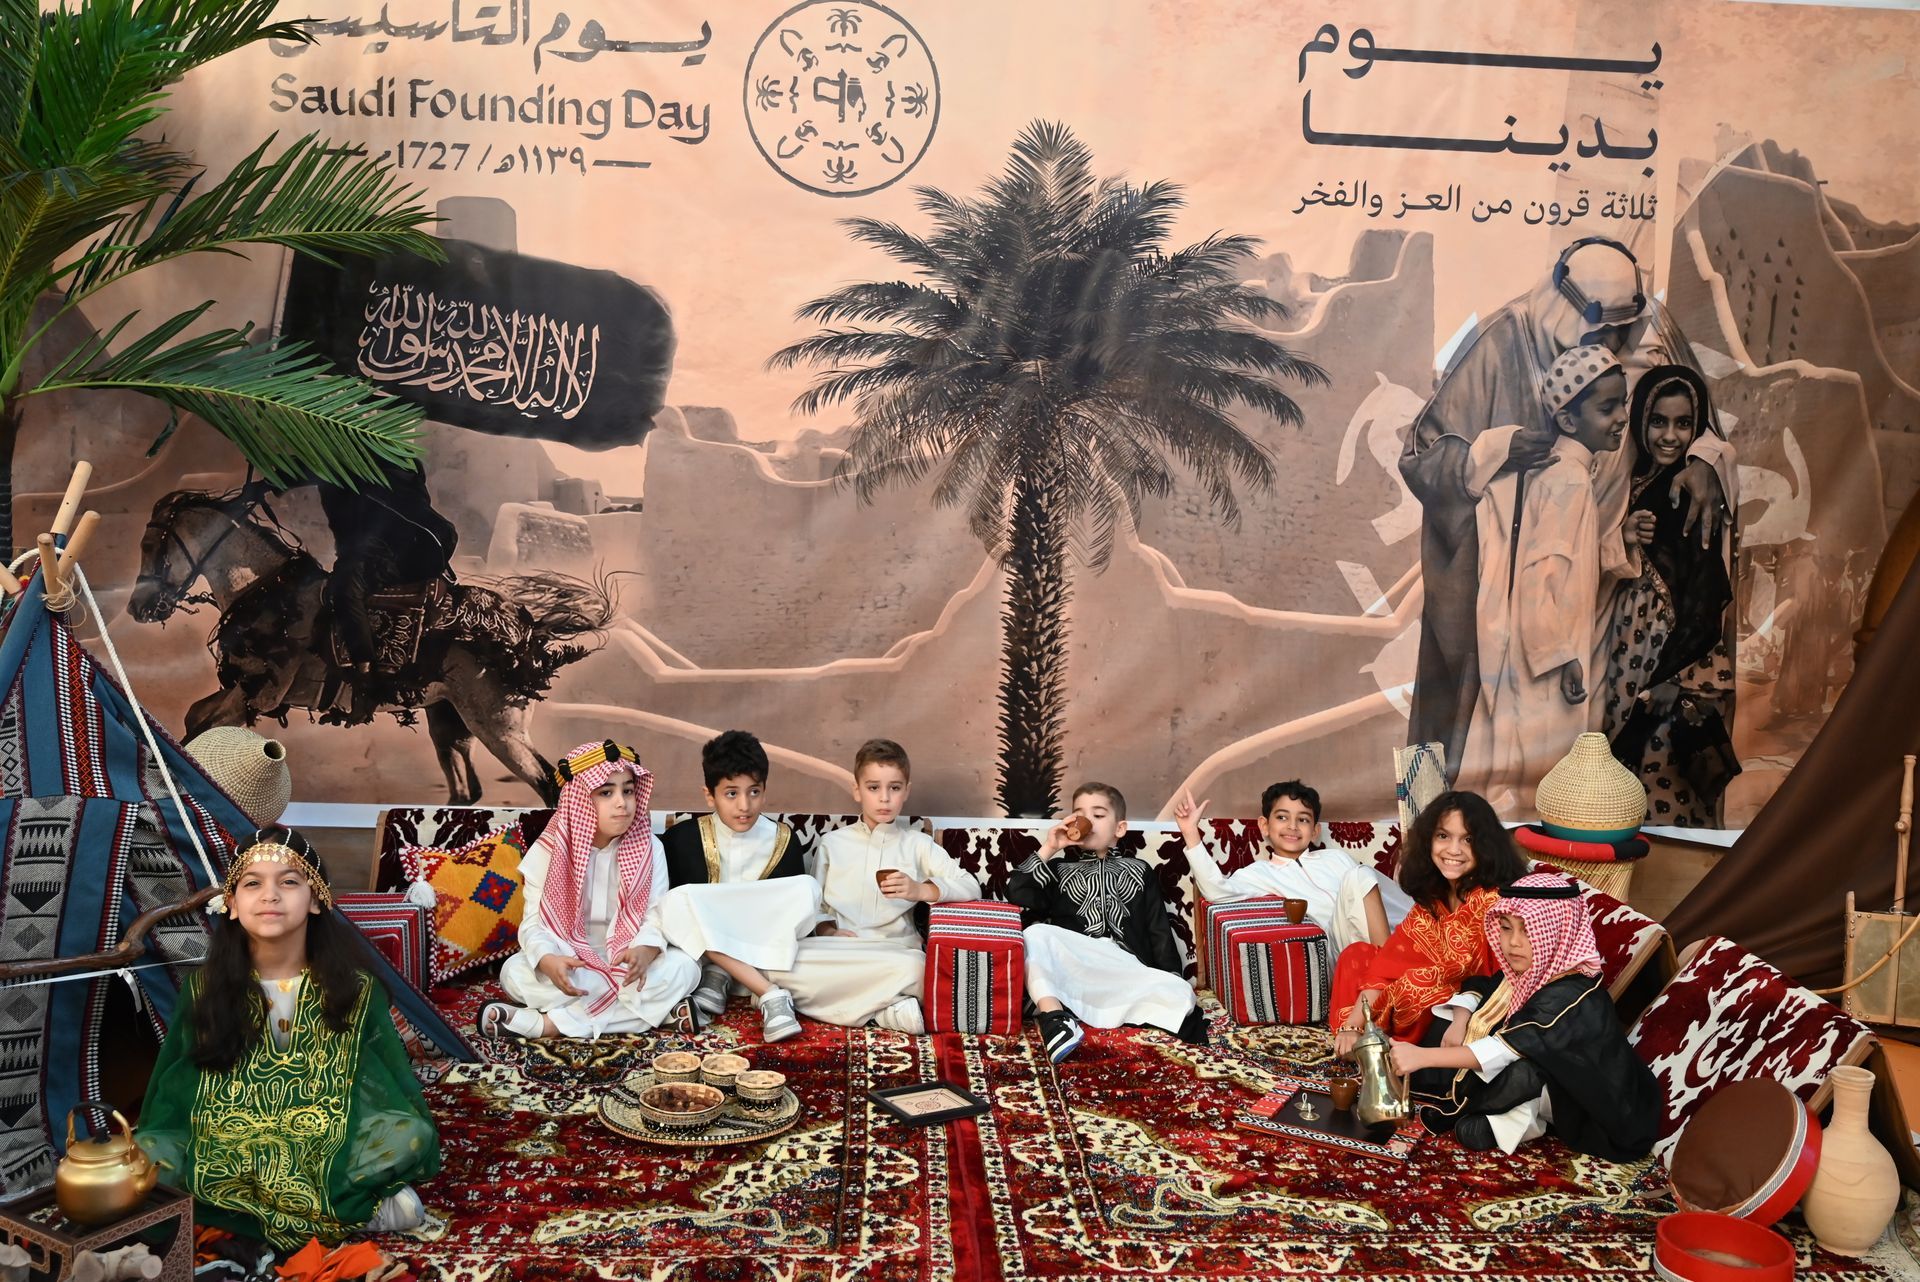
(1099, 946)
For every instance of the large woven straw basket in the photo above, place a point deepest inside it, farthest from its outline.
(1589, 796)
(250, 769)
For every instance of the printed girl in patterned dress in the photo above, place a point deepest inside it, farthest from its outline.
(1669, 679)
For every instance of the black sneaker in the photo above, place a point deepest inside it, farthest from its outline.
(1060, 1033)
(1193, 1030)
(1475, 1133)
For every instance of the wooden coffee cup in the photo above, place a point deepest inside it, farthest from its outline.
(1343, 1091)
(1296, 910)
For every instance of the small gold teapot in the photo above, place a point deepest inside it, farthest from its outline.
(100, 1181)
(1383, 1092)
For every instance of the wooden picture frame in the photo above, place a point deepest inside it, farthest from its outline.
(928, 1103)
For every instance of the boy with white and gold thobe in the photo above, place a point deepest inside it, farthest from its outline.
(741, 897)
(864, 962)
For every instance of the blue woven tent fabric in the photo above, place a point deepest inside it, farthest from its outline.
(90, 839)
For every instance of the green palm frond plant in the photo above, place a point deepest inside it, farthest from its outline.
(91, 193)
(1050, 365)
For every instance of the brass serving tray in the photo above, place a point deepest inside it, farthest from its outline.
(620, 1113)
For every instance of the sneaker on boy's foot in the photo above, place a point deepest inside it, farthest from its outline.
(777, 1022)
(1193, 1030)
(904, 1016)
(1060, 1033)
(711, 996)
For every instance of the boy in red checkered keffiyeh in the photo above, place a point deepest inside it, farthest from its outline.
(1540, 1050)
(592, 959)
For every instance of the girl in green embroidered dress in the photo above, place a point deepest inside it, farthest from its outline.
(283, 1099)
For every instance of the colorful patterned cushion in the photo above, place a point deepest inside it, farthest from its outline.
(976, 968)
(442, 828)
(1728, 1016)
(396, 926)
(477, 899)
(1265, 969)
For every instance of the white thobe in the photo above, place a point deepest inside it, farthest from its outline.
(754, 921)
(1103, 984)
(850, 980)
(1333, 884)
(636, 1008)
(1538, 609)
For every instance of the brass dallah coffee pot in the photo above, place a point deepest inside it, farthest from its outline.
(1383, 1092)
(100, 1181)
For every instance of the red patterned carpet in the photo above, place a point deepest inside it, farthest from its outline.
(1124, 1162)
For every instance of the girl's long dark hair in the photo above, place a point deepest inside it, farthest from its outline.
(1496, 856)
(230, 1012)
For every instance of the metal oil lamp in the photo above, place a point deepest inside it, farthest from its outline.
(1383, 1092)
(100, 1181)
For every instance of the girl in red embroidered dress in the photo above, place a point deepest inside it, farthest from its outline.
(1458, 854)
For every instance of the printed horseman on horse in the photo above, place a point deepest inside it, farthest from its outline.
(390, 627)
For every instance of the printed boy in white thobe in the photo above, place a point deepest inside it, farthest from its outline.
(1539, 602)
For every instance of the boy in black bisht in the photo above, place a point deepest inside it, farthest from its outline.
(1544, 1052)
(1100, 948)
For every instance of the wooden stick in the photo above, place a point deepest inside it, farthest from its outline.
(1904, 831)
(49, 563)
(9, 584)
(125, 954)
(76, 545)
(70, 504)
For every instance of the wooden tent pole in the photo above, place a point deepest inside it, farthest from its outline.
(1903, 829)
(76, 546)
(70, 503)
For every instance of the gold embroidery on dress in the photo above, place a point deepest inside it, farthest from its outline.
(267, 1134)
(781, 836)
(710, 847)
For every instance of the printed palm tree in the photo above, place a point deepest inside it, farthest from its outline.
(1051, 365)
(91, 193)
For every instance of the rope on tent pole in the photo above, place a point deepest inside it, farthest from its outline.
(140, 717)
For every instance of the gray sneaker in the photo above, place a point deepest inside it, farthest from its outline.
(711, 997)
(777, 1021)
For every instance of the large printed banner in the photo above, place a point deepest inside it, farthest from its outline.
(1100, 508)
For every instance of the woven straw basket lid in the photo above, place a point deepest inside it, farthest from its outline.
(1590, 792)
(250, 769)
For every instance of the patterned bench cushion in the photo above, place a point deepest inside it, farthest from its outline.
(1628, 939)
(1265, 969)
(401, 929)
(455, 827)
(976, 968)
(1728, 1016)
